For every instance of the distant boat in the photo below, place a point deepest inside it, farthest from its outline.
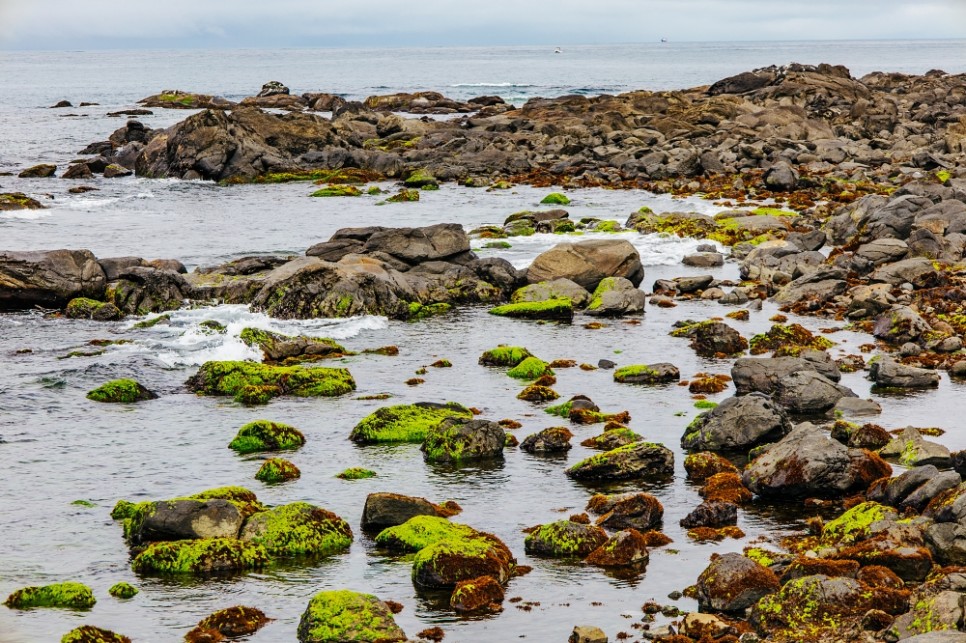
(663, 39)
(558, 50)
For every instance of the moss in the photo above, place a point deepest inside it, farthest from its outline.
(404, 196)
(611, 439)
(608, 226)
(339, 616)
(640, 373)
(404, 422)
(321, 347)
(84, 503)
(154, 321)
(761, 556)
(232, 378)
(419, 311)
(530, 369)
(562, 539)
(91, 634)
(244, 499)
(123, 590)
(538, 393)
(263, 435)
(356, 473)
(298, 529)
(943, 176)
(560, 309)
(421, 179)
(854, 524)
(508, 356)
(705, 404)
(69, 595)
(445, 563)
(18, 201)
(204, 556)
(442, 363)
(498, 245)
(276, 470)
(123, 391)
(420, 532)
(388, 351)
(788, 340)
(337, 190)
(123, 509)
(555, 198)
(773, 212)
(83, 308)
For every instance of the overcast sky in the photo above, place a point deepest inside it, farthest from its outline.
(109, 24)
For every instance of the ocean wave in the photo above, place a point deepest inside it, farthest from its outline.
(185, 342)
(494, 85)
(24, 214)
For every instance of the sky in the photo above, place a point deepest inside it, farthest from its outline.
(109, 24)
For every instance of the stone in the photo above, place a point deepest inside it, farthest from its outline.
(732, 583)
(711, 514)
(638, 460)
(888, 373)
(41, 171)
(809, 393)
(587, 263)
(615, 297)
(587, 634)
(556, 289)
(764, 373)
(738, 423)
(704, 259)
(552, 440)
(49, 279)
(624, 549)
(187, 519)
(344, 617)
(457, 440)
(713, 339)
(910, 449)
(564, 539)
(630, 510)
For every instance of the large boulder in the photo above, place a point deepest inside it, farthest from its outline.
(141, 290)
(635, 510)
(764, 373)
(635, 461)
(808, 392)
(587, 263)
(616, 296)
(456, 440)
(564, 539)
(186, 519)
(888, 373)
(348, 617)
(807, 463)
(390, 509)
(415, 245)
(732, 583)
(48, 278)
(738, 423)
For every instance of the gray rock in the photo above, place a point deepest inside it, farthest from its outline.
(910, 449)
(855, 407)
(588, 262)
(704, 259)
(416, 245)
(48, 278)
(947, 542)
(942, 636)
(878, 252)
(587, 634)
(888, 373)
(552, 440)
(819, 286)
(944, 611)
(732, 583)
(188, 520)
(142, 289)
(917, 271)
(807, 392)
(631, 510)
(615, 297)
(711, 514)
(693, 283)
(763, 374)
(456, 440)
(556, 289)
(897, 489)
(738, 423)
(636, 461)
(390, 509)
(899, 325)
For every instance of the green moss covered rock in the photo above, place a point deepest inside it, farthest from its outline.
(276, 470)
(611, 439)
(263, 435)
(421, 179)
(205, 556)
(286, 350)
(84, 308)
(298, 529)
(231, 622)
(343, 617)
(551, 310)
(122, 391)
(647, 374)
(506, 356)
(70, 595)
(356, 473)
(564, 539)
(555, 198)
(419, 311)
(456, 440)
(238, 378)
(530, 369)
(405, 422)
(420, 532)
(404, 196)
(447, 562)
(123, 590)
(91, 634)
(337, 190)
(639, 460)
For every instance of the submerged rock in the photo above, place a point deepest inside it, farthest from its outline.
(631, 462)
(343, 616)
(631, 510)
(623, 549)
(205, 556)
(231, 622)
(660, 373)
(405, 422)
(552, 440)
(456, 440)
(69, 595)
(477, 595)
(123, 391)
(258, 383)
(263, 435)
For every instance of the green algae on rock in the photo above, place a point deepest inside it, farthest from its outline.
(551, 309)
(337, 190)
(343, 616)
(91, 634)
(420, 532)
(204, 556)
(445, 563)
(356, 473)
(564, 539)
(611, 439)
(647, 374)
(856, 523)
(18, 201)
(123, 590)
(238, 379)
(477, 595)
(456, 440)
(85, 308)
(404, 196)
(153, 321)
(231, 622)
(298, 529)
(123, 391)
(506, 356)
(538, 393)
(630, 462)
(263, 435)
(276, 470)
(788, 341)
(421, 179)
(418, 311)
(285, 349)
(555, 198)
(530, 369)
(69, 595)
(404, 422)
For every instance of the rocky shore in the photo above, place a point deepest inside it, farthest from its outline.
(846, 200)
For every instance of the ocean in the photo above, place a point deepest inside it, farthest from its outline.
(57, 447)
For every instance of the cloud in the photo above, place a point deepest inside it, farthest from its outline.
(105, 24)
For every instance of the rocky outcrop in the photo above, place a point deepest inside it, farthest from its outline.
(49, 279)
(587, 263)
(738, 423)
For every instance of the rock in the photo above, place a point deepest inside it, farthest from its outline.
(78, 171)
(446, 562)
(278, 348)
(184, 519)
(732, 583)
(344, 616)
(251, 383)
(781, 177)
(143, 289)
(564, 539)
(456, 440)
(623, 549)
(205, 556)
(878, 252)
(390, 509)
(113, 171)
(405, 422)
(615, 297)
(713, 339)
(587, 634)
(38, 171)
(506, 356)
(704, 259)
(703, 465)
(631, 510)
(438, 242)
(61, 104)
(647, 374)
(69, 595)
(476, 595)
(687, 285)
(123, 590)
(91, 634)
(899, 325)
(231, 622)
(177, 99)
(297, 529)
(587, 263)
(639, 460)
(817, 287)
(763, 374)
(50, 279)
(941, 636)
(552, 440)
(556, 289)
(18, 201)
(273, 88)
(561, 310)
(807, 462)
(931, 614)
(947, 542)
(887, 373)
(711, 514)
(910, 449)
(277, 470)
(895, 491)
(918, 271)
(738, 423)
(807, 392)
(123, 391)
(854, 407)
(262, 435)
(84, 308)
(611, 439)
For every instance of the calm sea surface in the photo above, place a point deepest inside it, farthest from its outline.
(57, 447)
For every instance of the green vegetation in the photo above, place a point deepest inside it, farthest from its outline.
(554, 309)
(555, 198)
(404, 422)
(84, 308)
(337, 190)
(123, 590)
(507, 356)
(276, 470)
(562, 539)
(123, 391)
(638, 373)
(91, 634)
(419, 311)
(204, 556)
(263, 435)
(404, 196)
(530, 369)
(356, 473)
(321, 347)
(298, 529)
(788, 340)
(154, 321)
(420, 532)
(854, 524)
(336, 616)
(233, 378)
(69, 595)
(705, 404)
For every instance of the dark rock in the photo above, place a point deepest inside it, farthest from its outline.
(624, 549)
(888, 373)
(763, 375)
(711, 514)
(552, 440)
(38, 171)
(732, 583)
(738, 423)
(807, 392)
(629, 510)
(49, 279)
(456, 440)
(390, 509)
(634, 461)
(564, 539)
(187, 519)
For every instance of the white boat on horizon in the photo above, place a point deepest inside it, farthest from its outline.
(558, 50)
